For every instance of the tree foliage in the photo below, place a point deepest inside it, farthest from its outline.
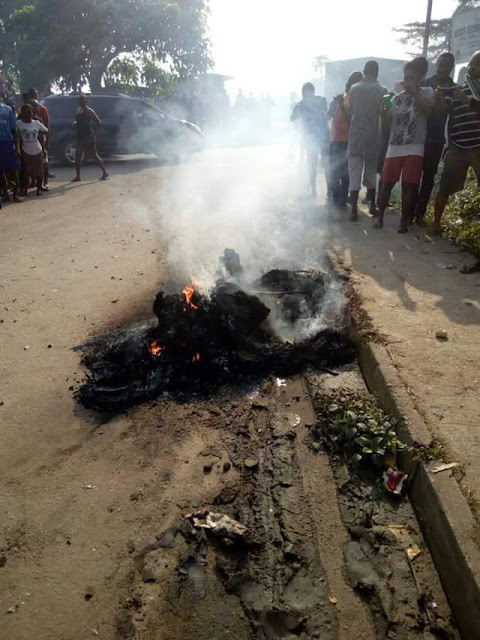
(411, 34)
(72, 42)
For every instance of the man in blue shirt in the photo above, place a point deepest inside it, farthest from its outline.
(9, 151)
(312, 113)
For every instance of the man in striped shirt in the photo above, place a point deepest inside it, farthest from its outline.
(464, 134)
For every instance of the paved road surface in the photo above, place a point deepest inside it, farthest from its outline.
(76, 489)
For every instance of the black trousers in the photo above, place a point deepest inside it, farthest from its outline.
(431, 160)
(339, 172)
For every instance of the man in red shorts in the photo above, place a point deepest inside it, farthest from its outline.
(407, 119)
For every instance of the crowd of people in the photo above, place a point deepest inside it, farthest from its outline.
(24, 145)
(376, 137)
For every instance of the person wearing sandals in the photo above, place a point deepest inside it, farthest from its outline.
(407, 119)
(85, 121)
(30, 131)
(38, 114)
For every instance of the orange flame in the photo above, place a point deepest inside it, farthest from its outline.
(196, 358)
(156, 349)
(189, 292)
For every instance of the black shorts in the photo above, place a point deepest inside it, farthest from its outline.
(87, 142)
(455, 168)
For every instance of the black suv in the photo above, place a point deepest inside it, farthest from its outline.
(128, 125)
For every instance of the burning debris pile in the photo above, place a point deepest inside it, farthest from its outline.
(203, 340)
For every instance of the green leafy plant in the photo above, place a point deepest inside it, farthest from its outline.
(353, 423)
(461, 219)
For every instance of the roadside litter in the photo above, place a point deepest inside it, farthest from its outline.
(446, 467)
(219, 524)
(394, 481)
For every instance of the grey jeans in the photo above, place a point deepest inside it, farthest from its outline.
(366, 166)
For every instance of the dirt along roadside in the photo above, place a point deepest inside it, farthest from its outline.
(94, 539)
(411, 288)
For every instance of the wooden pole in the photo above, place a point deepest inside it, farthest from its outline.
(428, 28)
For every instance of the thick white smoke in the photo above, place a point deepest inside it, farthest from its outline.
(247, 199)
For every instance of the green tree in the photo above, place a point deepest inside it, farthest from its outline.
(72, 42)
(411, 34)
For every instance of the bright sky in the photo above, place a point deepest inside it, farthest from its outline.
(268, 45)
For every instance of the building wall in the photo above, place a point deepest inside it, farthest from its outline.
(338, 71)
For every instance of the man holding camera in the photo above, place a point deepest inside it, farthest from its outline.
(443, 86)
(464, 133)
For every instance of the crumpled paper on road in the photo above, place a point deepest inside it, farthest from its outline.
(220, 524)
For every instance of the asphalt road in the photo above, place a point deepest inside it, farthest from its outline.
(81, 493)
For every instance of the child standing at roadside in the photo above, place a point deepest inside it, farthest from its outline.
(32, 149)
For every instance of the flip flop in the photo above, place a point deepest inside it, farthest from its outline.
(105, 177)
(76, 180)
(402, 230)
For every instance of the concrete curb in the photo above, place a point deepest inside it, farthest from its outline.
(450, 530)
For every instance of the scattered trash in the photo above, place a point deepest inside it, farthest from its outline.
(449, 266)
(333, 599)
(219, 523)
(293, 420)
(397, 529)
(26, 347)
(89, 486)
(413, 552)
(446, 467)
(394, 481)
(441, 334)
(11, 610)
(251, 463)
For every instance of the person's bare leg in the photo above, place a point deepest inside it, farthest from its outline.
(39, 186)
(99, 162)
(440, 204)
(4, 187)
(45, 177)
(15, 178)
(312, 160)
(383, 200)
(78, 162)
(25, 182)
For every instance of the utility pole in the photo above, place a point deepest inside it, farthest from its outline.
(428, 28)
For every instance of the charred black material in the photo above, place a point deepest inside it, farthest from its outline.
(200, 343)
